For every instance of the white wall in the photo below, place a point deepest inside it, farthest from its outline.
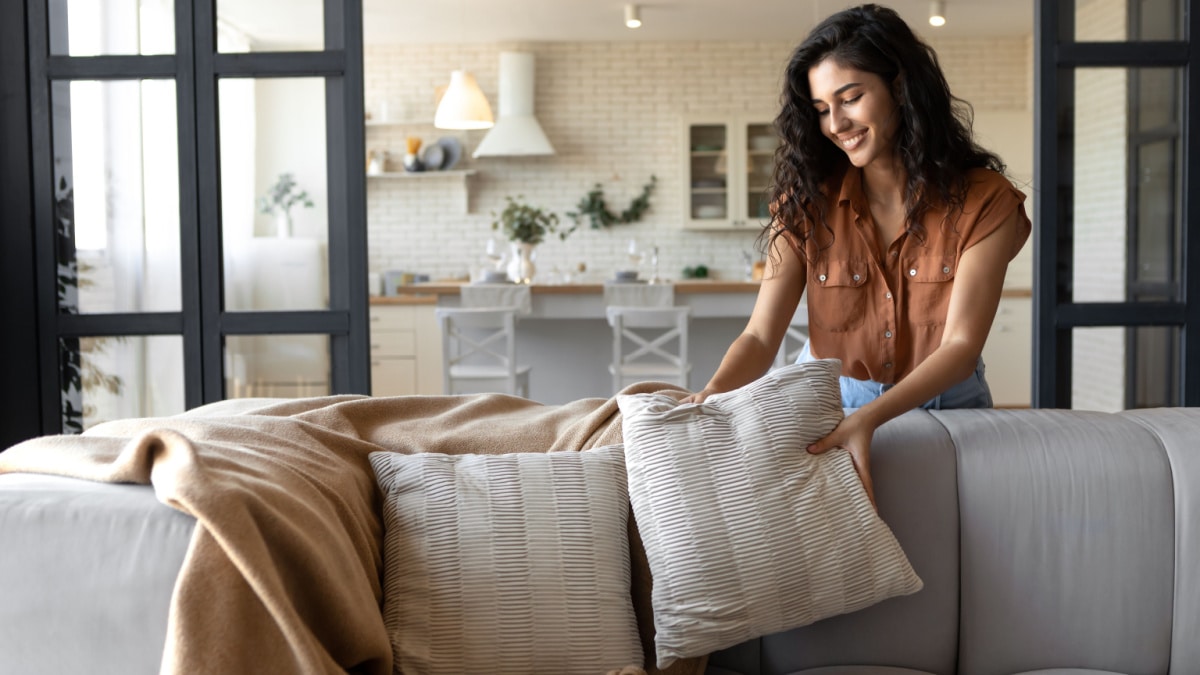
(290, 135)
(614, 113)
(1099, 354)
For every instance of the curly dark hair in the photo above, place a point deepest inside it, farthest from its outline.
(934, 139)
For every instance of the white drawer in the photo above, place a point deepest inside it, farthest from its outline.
(388, 318)
(393, 343)
(393, 377)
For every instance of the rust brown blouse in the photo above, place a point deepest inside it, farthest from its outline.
(882, 311)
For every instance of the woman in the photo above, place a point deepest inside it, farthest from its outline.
(899, 225)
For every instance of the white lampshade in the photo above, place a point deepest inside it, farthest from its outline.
(463, 106)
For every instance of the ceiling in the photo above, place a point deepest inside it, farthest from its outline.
(447, 21)
(504, 21)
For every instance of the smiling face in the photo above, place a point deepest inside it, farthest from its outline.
(856, 110)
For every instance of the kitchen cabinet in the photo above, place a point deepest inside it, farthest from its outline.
(1008, 353)
(406, 350)
(727, 167)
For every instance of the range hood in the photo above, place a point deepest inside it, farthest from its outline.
(517, 132)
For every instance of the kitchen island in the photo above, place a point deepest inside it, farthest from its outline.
(566, 339)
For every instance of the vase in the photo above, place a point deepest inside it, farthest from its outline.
(521, 269)
(283, 224)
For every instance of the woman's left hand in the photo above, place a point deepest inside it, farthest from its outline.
(854, 436)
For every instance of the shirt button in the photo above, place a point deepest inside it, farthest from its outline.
(945, 270)
(912, 272)
(888, 364)
(887, 333)
(893, 254)
(856, 277)
(821, 278)
(888, 295)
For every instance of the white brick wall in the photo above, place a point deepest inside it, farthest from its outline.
(613, 112)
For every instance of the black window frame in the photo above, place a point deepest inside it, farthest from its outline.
(33, 403)
(1056, 56)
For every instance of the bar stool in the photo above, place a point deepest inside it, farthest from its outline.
(497, 295)
(479, 351)
(642, 337)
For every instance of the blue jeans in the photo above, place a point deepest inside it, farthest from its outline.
(972, 392)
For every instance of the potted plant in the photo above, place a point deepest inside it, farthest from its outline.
(525, 226)
(280, 199)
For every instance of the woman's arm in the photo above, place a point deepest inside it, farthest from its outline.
(978, 283)
(753, 352)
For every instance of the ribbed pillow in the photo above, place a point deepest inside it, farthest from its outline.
(514, 563)
(746, 533)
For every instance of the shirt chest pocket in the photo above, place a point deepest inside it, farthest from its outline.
(837, 301)
(928, 282)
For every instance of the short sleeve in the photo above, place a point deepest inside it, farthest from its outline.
(991, 200)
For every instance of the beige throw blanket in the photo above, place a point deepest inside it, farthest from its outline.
(283, 573)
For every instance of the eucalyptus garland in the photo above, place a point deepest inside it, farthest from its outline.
(595, 209)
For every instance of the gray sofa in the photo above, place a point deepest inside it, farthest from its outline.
(1048, 541)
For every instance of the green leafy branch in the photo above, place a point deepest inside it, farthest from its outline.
(283, 195)
(594, 208)
(523, 222)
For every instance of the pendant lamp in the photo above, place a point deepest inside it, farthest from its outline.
(937, 13)
(463, 106)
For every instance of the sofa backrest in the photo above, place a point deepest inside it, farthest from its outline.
(1067, 548)
(1045, 538)
(1178, 429)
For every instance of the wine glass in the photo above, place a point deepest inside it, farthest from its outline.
(654, 278)
(494, 253)
(635, 253)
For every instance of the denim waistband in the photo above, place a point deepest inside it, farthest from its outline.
(972, 392)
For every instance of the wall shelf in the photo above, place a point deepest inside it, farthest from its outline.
(461, 173)
(398, 123)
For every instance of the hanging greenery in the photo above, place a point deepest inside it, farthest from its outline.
(594, 208)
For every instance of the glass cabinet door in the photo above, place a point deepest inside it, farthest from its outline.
(761, 142)
(708, 177)
(728, 166)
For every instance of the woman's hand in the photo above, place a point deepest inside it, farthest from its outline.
(855, 436)
(699, 396)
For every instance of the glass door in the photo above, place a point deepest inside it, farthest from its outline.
(189, 159)
(1117, 84)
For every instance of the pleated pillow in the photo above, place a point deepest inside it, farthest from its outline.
(745, 532)
(515, 563)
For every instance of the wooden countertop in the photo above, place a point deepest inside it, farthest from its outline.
(407, 299)
(430, 290)
(427, 293)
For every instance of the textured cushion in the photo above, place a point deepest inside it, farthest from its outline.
(514, 563)
(746, 533)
